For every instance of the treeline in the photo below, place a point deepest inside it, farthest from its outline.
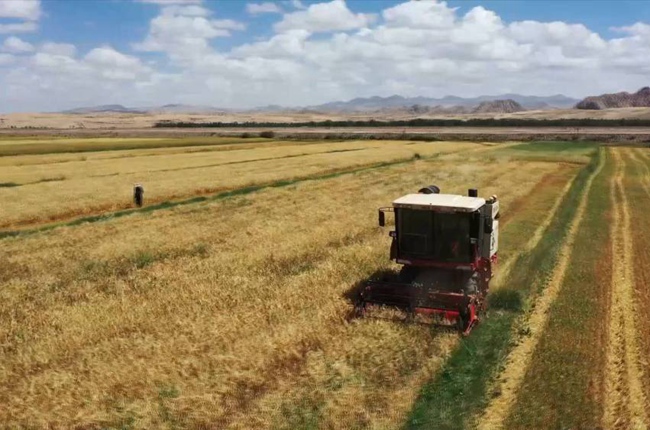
(475, 122)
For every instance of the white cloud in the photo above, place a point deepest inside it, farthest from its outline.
(416, 48)
(423, 14)
(266, 7)
(54, 78)
(112, 64)
(185, 10)
(64, 49)
(637, 29)
(15, 45)
(29, 11)
(556, 34)
(228, 24)
(23, 9)
(170, 2)
(6, 59)
(185, 31)
(324, 17)
(21, 27)
(290, 44)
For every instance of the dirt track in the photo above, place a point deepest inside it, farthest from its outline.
(518, 362)
(624, 396)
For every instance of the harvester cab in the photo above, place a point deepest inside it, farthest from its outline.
(447, 245)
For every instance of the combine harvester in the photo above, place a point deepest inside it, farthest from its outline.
(447, 245)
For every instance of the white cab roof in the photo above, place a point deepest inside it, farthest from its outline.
(440, 201)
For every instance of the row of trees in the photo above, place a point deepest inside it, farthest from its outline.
(476, 122)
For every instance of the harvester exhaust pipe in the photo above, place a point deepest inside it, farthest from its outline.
(472, 192)
(431, 189)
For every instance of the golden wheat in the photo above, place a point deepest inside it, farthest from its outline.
(228, 314)
(60, 190)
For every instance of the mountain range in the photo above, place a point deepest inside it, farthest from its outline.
(558, 101)
(170, 108)
(449, 104)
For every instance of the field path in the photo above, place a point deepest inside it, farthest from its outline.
(624, 397)
(519, 359)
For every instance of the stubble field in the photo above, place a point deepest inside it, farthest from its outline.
(225, 301)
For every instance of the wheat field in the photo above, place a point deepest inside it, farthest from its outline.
(231, 313)
(61, 188)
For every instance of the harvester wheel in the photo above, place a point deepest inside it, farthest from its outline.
(461, 324)
(359, 310)
(463, 321)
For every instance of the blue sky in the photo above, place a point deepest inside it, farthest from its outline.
(88, 23)
(59, 53)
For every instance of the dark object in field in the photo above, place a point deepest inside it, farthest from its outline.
(138, 195)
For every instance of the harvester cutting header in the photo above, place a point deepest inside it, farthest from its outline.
(447, 245)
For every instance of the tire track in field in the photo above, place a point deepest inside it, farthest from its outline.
(624, 395)
(518, 361)
(229, 163)
(641, 159)
(506, 268)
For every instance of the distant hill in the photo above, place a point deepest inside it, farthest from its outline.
(617, 100)
(103, 109)
(182, 108)
(169, 108)
(499, 106)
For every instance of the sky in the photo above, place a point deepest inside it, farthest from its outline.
(62, 54)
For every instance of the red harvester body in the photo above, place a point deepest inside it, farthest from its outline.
(447, 246)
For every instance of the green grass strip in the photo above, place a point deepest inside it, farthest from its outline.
(60, 146)
(560, 389)
(460, 390)
(200, 199)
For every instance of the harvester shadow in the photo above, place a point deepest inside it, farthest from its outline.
(353, 296)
